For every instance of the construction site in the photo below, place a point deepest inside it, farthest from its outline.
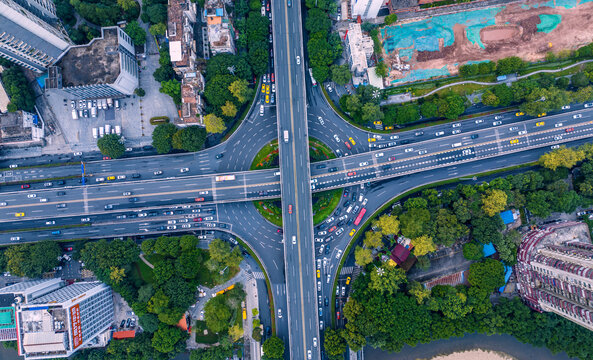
(437, 46)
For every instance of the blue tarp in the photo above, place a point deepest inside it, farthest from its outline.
(488, 250)
(507, 217)
(507, 275)
(41, 80)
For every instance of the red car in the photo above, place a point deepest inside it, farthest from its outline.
(198, 219)
(199, 199)
(331, 229)
(290, 209)
(106, 158)
(352, 173)
(279, 231)
(569, 129)
(347, 144)
(69, 248)
(25, 186)
(338, 314)
(273, 77)
(268, 7)
(392, 158)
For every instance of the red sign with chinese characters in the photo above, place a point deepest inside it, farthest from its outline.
(76, 329)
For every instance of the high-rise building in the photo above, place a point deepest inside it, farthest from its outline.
(105, 67)
(366, 9)
(27, 36)
(52, 319)
(555, 272)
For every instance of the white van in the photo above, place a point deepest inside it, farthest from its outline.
(349, 209)
(456, 145)
(74, 114)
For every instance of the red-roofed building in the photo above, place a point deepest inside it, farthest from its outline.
(182, 324)
(399, 254)
(451, 279)
(127, 334)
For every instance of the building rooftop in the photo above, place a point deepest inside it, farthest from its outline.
(94, 63)
(19, 127)
(65, 293)
(191, 102)
(360, 48)
(126, 334)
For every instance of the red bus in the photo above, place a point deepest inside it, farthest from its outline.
(360, 216)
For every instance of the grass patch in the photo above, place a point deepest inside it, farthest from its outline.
(270, 211)
(326, 203)
(363, 228)
(199, 327)
(266, 157)
(144, 271)
(43, 166)
(463, 89)
(318, 151)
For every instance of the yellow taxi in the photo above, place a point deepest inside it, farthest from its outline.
(542, 114)
(352, 232)
(348, 280)
(111, 178)
(372, 139)
(352, 141)
(541, 123)
(263, 88)
(19, 214)
(520, 113)
(268, 89)
(267, 99)
(514, 141)
(378, 122)
(318, 273)
(389, 128)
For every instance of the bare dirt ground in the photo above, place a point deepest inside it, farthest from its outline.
(515, 34)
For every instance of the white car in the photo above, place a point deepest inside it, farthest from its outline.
(78, 154)
(308, 354)
(261, 110)
(85, 219)
(394, 137)
(320, 120)
(439, 133)
(378, 137)
(339, 254)
(566, 107)
(558, 125)
(51, 222)
(378, 155)
(13, 166)
(456, 125)
(421, 152)
(455, 131)
(336, 138)
(3, 203)
(589, 105)
(17, 238)
(498, 117)
(329, 88)
(172, 222)
(31, 196)
(577, 116)
(321, 248)
(205, 192)
(558, 137)
(279, 313)
(554, 147)
(409, 150)
(184, 170)
(121, 177)
(321, 233)
(330, 220)
(298, 58)
(364, 163)
(185, 226)
(514, 128)
(43, 200)
(314, 342)
(126, 193)
(522, 132)
(496, 123)
(209, 218)
(479, 121)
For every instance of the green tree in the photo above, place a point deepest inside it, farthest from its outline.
(387, 225)
(363, 256)
(381, 70)
(214, 124)
(157, 13)
(140, 92)
(487, 229)
(217, 91)
(274, 348)
(447, 229)
(494, 201)
(173, 89)
(561, 157)
(390, 19)
(340, 74)
(166, 337)
(334, 344)
(538, 203)
(407, 114)
(32, 260)
(429, 109)
(164, 73)
(387, 279)
(423, 245)
(317, 21)
(579, 80)
(371, 112)
(158, 29)
(217, 314)
(149, 322)
(353, 103)
(373, 239)
(162, 137)
(240, 90)
(413, 223)
(111, 145)
(473, 250)
(509, 65)
(418, 291)
(487, 274)
(507, 247)
(190, 138)
(258, 56)
(133, 29)
(489, 99)
(18, 90)
(229, 109)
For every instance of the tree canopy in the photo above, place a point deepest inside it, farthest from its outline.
(111, 145)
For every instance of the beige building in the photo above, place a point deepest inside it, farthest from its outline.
(180, 32)
(359, 49)
(221, 33)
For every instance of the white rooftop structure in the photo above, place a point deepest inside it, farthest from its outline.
(359, 49)
(367, 9)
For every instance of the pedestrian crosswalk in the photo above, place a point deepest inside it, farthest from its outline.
(347, 270)
(258, 275)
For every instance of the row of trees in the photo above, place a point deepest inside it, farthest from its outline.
(413, 315)
(154, 12)
(30, 260)
(544, 94)
(167, 137)
(323, 46)
(104, 12)
(509, 65)
(17, 88)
